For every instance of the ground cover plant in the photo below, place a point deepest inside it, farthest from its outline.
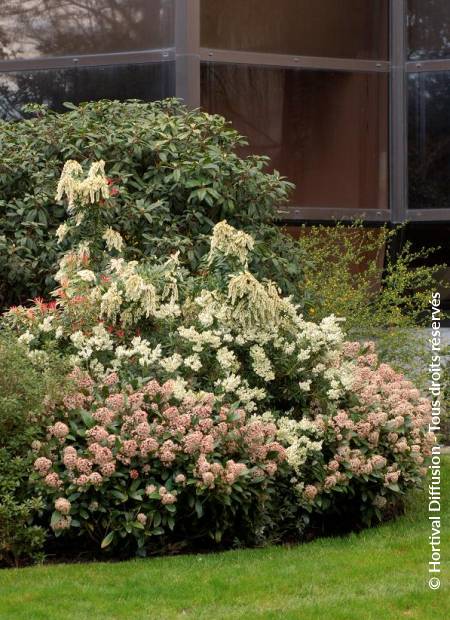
(204, 406)
(378, 573)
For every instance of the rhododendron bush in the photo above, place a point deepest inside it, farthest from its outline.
(206, 405)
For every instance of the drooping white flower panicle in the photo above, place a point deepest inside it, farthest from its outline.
(231, 242)
(113, 239)
(111, 302)
(96, 184)
(254, 303)
(61, 232)
(69, 182)
(89, 189)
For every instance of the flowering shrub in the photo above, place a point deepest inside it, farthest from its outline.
(127, 465)
(173, 173)
(199, 395)
(370, 450)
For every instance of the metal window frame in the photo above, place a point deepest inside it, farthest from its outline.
(187, 51)
(398, 183)
(295, 215)
(418, 66)
(288, 61)
(188, 88)
(88, 60)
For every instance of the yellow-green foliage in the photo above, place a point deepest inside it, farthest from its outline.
(350, 273)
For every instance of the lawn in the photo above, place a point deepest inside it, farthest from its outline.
(379, 574)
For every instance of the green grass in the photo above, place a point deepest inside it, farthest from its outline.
(379, 574)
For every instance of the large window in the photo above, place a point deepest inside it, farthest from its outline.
(428, 105)
(53, 51)
(429, 140)
(54, 87)
(350, 98)
(327, 131)
(308, 84)
(428, 29)
(345, 29)
(31, 28)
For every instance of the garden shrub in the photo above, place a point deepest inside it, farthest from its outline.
(130, 464)
(23, 420)
(173, 174)
(287, 404)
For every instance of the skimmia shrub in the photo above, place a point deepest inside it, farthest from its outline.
(287, 403)
(130, 465)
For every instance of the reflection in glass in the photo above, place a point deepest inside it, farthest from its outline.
(326, 131)
(30, 28)
(428, 29)
(435, 237)
(53, 87)
(345, 29)
(429, 140)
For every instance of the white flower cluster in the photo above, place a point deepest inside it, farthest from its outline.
(238, 340)
(86, 345)
(26, 338)
(61, 232)
(75, 186)
(111, 302)
(261, 363)
(227, 359)
(231, 242)
(252, 303)
(141, 350)
(295, 434)
(113, 239)
(200, 340)
(133, 295)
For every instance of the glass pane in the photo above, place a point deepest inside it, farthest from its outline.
(30, 28)
(326, 131)
(429, 140)
(53, 87)
(425, 235)
(429, 29)
(345, 29)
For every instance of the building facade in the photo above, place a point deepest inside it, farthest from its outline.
(350, 99)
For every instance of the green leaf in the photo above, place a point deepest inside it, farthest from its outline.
(119, 495)
(157, 531)
(107, 540)
(134, 485)
(199, 509)
(136, 496)
(138, 526)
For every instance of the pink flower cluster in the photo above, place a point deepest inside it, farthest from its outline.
(149, 436)
(382, 435)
